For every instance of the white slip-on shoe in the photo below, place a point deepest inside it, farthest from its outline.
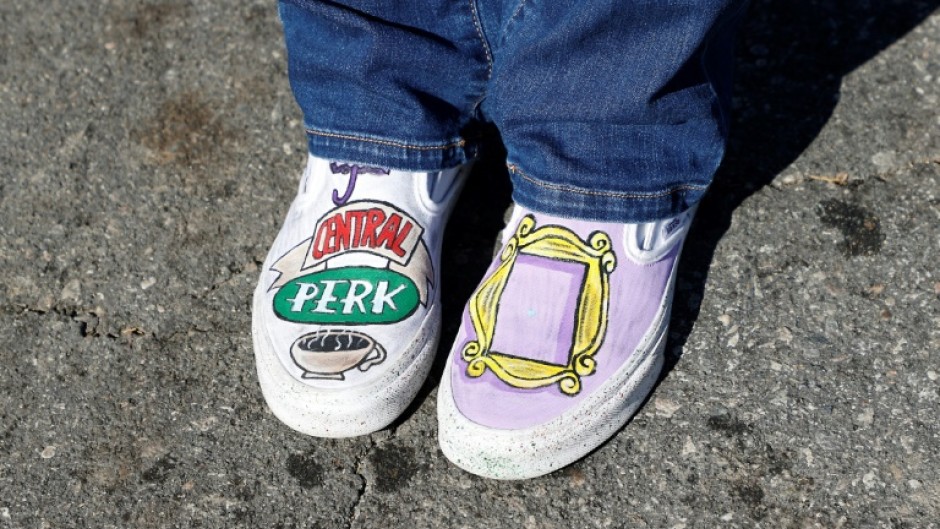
(560, 344)
(346, 315)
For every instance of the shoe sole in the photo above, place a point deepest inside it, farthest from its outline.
(539, 450)
(343, 412)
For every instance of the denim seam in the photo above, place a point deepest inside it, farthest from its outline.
(591, 192)
(478, 25)
(387, 143)
(486, 44)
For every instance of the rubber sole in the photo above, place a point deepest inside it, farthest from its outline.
(533, 452)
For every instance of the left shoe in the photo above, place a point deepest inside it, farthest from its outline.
(560, 344)
(346, 315)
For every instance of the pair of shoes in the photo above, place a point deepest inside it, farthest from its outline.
(558, 346)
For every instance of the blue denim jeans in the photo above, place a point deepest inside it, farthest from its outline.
(610, 110)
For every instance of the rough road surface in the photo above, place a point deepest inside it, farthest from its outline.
(148, 151)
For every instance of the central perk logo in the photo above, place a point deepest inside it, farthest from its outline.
(315, 286)
(353, 295)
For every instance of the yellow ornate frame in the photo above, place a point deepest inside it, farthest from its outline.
(553, 242)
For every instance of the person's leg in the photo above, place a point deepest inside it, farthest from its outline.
(613, 114)
(388, 84)
(613, 110)
(346, 316)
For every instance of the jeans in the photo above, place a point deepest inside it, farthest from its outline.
(611, 110)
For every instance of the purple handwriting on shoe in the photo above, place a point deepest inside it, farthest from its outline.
(353, 171)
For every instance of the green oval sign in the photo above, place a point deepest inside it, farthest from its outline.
(356, 295)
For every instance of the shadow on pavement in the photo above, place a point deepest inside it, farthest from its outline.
(790, 65)
(469, 244)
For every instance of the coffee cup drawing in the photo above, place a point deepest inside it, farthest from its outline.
(328, 354)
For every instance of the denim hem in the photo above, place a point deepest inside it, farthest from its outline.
(391, 153)
(606, 206)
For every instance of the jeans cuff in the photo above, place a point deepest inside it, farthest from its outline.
(595, 204)
(391, 153)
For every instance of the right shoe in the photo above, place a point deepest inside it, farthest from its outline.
(346, 315)
(560, 344)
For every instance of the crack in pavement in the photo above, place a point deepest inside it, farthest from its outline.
(364, 483)
(91, 321)
(366, 486)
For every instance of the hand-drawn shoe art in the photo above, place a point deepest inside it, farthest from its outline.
(328, 354)
(559, 344)
(346, 314)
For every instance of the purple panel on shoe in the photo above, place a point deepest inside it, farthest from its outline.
(636, 294)
(536, 314)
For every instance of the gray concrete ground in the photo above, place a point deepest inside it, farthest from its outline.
(149, 150)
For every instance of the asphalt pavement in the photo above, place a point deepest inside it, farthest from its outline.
(149, 150)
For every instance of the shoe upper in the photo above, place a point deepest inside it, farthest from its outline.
(564, 306)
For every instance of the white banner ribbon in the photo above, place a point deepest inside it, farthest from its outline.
(370, 227)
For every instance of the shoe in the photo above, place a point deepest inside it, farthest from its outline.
(346, 315)
(560, 344)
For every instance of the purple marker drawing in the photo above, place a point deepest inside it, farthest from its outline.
(673, 224)
(353, 171)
